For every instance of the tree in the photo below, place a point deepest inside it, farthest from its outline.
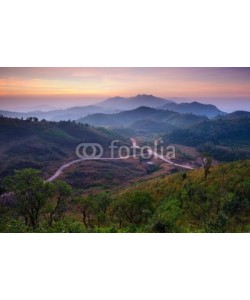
(207, 163)
(119, 210)
(57, 208)
(102, 201)
(140, 206)
(166, 216)
(87, 208)
(31, 194)
(135, 207)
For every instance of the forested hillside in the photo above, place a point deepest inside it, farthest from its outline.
(184, 202)
(43, 144)
(225, 139)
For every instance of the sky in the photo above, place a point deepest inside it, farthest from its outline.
(46, 88)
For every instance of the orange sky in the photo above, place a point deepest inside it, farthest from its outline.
(88, 85)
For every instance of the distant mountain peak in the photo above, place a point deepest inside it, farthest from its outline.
(115, 98)
(123, 103)
(144, 95)
(147, 96)
(200, 104)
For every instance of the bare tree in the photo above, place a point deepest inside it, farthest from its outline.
(207, 163)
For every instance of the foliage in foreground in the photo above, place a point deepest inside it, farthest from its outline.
(184, 202)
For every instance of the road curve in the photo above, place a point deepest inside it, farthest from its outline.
(133, 141)
(134, 145)
(60, 170)
(171, 162)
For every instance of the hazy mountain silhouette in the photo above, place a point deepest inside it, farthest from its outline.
(236, 115)
(122, 103)
(128, 118)
(72, 113)
(116, 104)
(196, 108)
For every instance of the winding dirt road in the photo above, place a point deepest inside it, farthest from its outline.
(170, 162)
(134, 144)
(151, 152)
(60, 170)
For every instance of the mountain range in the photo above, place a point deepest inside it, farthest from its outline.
(117, 104)
(72, 113)
(144, 117)
(121, 103)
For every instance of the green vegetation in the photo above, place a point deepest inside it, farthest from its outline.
(225, 139)
(101, 173)
(106, 196)
(184, 202)
(31, 202)
(45, 145)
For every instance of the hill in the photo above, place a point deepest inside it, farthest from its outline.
(165, 119)
(195, 108)
(44, 145)
(188, 203)
(235, 115)
(72, 113)
(122, 103)
(225, 139)
(150, 126)
(183, 202)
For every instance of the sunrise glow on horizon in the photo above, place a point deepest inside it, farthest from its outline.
(64, 87)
